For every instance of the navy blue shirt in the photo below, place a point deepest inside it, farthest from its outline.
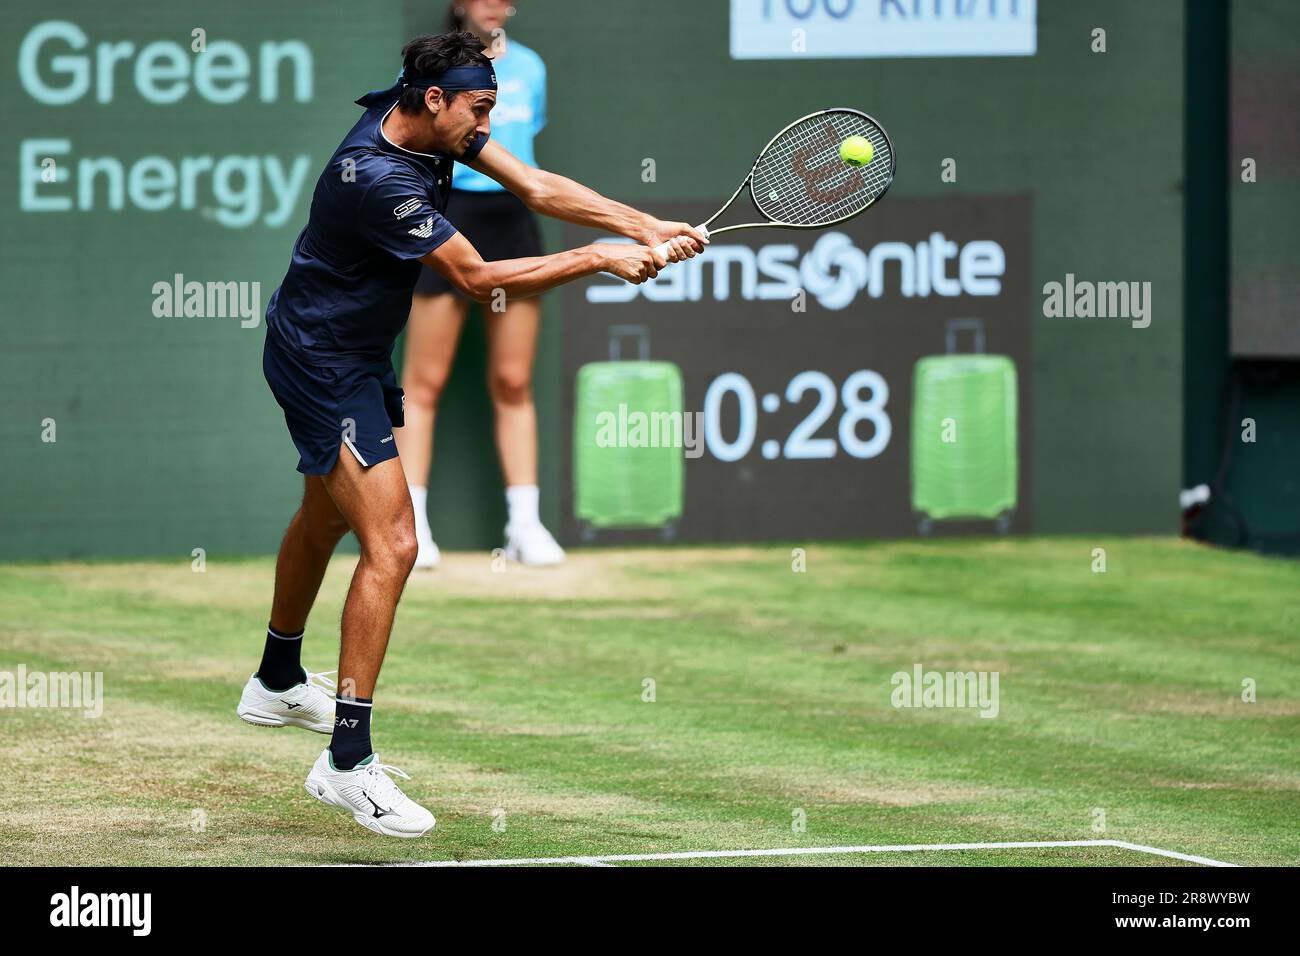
(376, 210)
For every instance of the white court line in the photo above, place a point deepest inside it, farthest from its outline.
(816, 851)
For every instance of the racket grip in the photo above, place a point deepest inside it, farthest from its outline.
(662, 248)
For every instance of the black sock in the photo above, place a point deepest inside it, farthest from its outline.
(280, 669)
(351, 741)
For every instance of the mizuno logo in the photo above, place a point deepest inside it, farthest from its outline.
(424, 230)
(406, 208)
(289, 705)
(379, 811)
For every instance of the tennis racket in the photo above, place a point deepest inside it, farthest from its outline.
(799, 181)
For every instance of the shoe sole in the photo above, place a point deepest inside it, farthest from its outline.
(262, 719)
(325, 794)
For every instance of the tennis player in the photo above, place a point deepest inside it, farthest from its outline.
(500, 226)
(376, 215)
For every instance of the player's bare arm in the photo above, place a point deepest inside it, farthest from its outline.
(460, 262)
(562, 198)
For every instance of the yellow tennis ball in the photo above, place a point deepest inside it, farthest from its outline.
(856, 151)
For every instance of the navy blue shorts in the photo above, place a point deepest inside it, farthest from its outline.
(328, 408)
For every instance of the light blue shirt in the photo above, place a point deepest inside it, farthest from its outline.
(517, 117)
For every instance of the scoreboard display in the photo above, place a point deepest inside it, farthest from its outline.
(797, 349)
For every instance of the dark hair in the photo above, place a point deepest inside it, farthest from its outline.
(429, 55)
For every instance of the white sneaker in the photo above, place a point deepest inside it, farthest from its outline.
(309, 705)
(369, 794)
(427, 554)
(533, 545)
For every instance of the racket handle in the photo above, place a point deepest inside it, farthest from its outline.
(662, 248)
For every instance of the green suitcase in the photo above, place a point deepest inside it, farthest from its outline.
(964, 445)
(616, 485)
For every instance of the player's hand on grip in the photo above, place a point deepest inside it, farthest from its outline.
(684, 240)
(683, 247)
(631, 262)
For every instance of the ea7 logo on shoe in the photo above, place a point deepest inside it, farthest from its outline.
(103, 909)
(406, 208)
(424, 230)
(344, 722)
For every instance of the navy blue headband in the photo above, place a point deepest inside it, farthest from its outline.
(456, 78)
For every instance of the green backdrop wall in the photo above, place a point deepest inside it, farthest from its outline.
(166, 438)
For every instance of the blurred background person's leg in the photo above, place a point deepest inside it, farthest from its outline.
(431, 337)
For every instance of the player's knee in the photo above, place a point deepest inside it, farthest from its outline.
(400, 550)
(318, 530)
(328, 530)
(391, 559)
(511, 384)
(424, 387)
(320, 522)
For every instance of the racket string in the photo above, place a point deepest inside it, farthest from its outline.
(801, 180)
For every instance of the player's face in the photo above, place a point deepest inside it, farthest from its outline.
(460, 123)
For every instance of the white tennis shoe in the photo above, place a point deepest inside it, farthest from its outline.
(309, 705)
(369, 794)
(533, 545)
